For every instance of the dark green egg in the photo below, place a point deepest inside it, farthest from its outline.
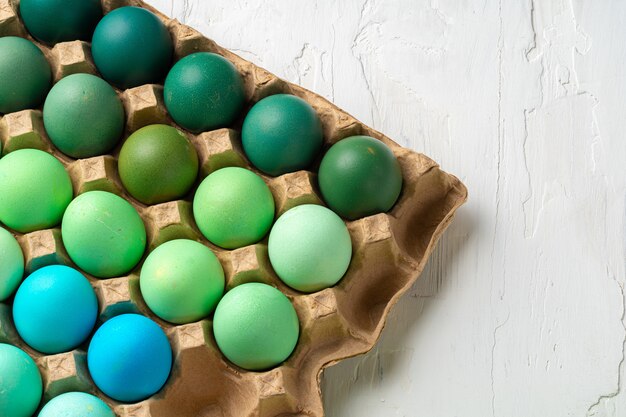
(359, 176)
(157, 163)
(204, 91)
(25, 75)
(83, 116)
(131, 46)
(53, 21)
(281, 133)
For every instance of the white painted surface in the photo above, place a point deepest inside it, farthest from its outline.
(521, 310)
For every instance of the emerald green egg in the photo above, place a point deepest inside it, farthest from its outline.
(157, 163)
(25, 75)
(95, 111)
(359, 176)
(204, 91)
(53, 21)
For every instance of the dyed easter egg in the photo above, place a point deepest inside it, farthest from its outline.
(35, 190)
(55, 309)
(20, 383)
(281, 133)
(76, 404)
(25, 75)
(310, 248)
(255, 326)
(52, 21)
(204, 91)
(233, 207)
(103, 234)
(359, 176)
(129, 358)
(182, 281)
(157, 163)
(95, 111)
(131, 46)
(11, 264)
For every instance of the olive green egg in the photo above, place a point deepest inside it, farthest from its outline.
(204, 91)
(281, 133)
(52, 21)
(131, 46)
(182, 281)
(256, 326)
(310, 248)
(11, 264)
(83, 116)
(35, 190)
(157, 163)
(25, 75)
(359, 176)
(103, 234)
(233, 207)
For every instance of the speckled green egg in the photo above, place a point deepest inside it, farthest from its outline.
(359, 176)
(255, 326)
(35, 190)
(52, 21)
(157, 163)
(20, 383)
(25, 75)
(76, 404)
(233, 207)
(310, 248)
(182, 281)
(281, 133)
(204, 91)
(83, 116)
(131, 46)
(103, 234)
(11, 264)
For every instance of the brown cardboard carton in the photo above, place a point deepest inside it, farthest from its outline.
(390, 249)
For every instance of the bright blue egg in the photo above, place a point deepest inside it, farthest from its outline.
(55, 309)
(129, 358)
(76, 404)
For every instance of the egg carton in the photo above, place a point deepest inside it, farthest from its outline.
(389, 250)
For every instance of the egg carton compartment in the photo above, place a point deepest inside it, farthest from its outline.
(389, 250)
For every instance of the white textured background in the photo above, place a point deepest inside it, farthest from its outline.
(521, 310)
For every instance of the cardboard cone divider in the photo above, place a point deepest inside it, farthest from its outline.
(389, 250)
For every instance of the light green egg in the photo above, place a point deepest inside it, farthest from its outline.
(11, 264)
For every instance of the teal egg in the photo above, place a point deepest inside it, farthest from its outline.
(204, 91)
(131, 46)
(52, 21)
(20, 383)
(95, 111)
(76, 404)
(11, 264)
(281, 134)
(25, 75)
(310, 248)
(360, 176)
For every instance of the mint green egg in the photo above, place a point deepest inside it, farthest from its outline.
(310, 248)
(103, 234)
(233, 207)
(35, 190)
(182, 281)
(255, 326)
(83, 116)
(20, 383)
(76, 404)
(11, 264)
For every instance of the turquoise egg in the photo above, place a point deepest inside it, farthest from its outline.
(55, 309)
(20, 383)
(131, 46)
(129, 358)
(76, 404)
(52, 21)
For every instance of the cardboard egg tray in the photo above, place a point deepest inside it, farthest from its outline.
(389, 250)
